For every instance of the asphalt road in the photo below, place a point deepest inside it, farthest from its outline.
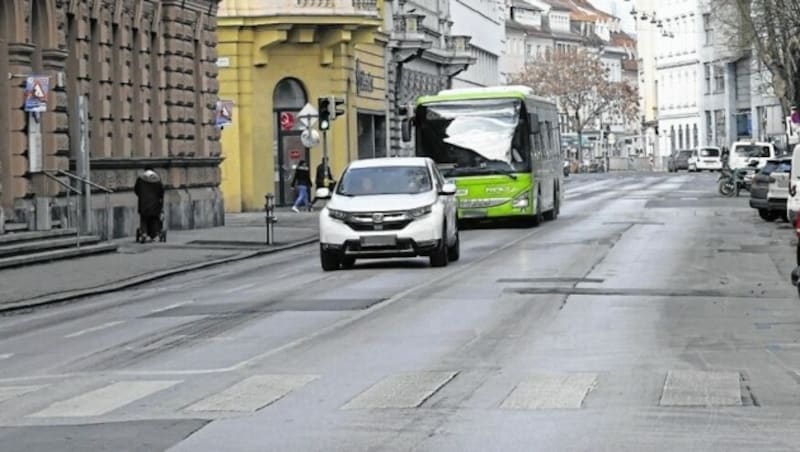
(652, 315)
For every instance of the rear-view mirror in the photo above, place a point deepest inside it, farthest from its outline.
(323, 193)
(448, 189)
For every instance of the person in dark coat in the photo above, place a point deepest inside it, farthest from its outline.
(323, 179)
(150, 191)
(302, 183)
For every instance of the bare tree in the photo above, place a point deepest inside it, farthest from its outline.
(770, 29)
(578, 82)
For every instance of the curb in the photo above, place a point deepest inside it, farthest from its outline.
(142, 279)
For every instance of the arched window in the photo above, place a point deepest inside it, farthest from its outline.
(289, 95)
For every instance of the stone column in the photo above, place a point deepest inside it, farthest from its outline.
(15, 184)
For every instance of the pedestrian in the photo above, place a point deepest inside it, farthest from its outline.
(323, 178)
(150, 191)
(302, 183)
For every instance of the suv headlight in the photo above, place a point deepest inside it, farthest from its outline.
(337, 214)
(420, 211)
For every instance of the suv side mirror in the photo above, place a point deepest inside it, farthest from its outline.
(323, 193)
(448, 189)
(405, 129)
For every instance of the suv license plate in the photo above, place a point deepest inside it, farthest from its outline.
(378, 241)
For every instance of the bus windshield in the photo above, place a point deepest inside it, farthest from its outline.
(473, 137)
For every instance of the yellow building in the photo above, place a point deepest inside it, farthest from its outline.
(274, 57)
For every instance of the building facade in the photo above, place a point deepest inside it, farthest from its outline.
(146, 72)
(424, 55)
(486, 46)
(278, 56)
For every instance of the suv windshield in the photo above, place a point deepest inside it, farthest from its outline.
(709, 152)
(385, 180)
(473, 137)
(752, 150)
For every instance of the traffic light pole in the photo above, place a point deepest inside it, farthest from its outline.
(325, 151)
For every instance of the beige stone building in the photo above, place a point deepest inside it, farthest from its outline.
(147, 71)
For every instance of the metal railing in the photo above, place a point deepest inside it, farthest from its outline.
(84, 222)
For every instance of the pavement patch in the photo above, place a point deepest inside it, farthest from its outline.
(602, 291)
(693, 388)
(10, 392)
(105, 399)
(253, 394)
(550, 280)
(401, 391)
(548, 392)
(229, 309)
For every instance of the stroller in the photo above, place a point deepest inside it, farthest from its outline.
(160, 233)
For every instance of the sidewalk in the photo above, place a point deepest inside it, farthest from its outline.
(243, 236)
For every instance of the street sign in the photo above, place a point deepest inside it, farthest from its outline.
(287, 121)
(308, 116)
(310, 138)
(224, 113)
(36, 89)
(295, 154)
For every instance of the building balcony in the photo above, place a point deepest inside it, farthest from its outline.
(298, 8)
(408, 38)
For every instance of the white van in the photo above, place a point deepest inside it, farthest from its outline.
(744, 152)
(793, 202)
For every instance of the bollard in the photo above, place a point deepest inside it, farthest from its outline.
(269, 209)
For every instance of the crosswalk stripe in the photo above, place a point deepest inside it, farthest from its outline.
(701, 388)
(253, 393)
(401, 391)
(543, 392)
(105, 399)
(9, 392)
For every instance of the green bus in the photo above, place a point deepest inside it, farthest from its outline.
(500, 145)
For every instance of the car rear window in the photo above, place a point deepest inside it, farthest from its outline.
(783, 167)
(709, 152)
(769, 168)
(685, 153)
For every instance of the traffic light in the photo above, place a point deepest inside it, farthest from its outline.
(324, 107)
(338, 107)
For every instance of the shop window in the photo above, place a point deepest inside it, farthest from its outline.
(371, 136)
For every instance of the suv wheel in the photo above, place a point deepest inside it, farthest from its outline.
(454, 252)
(767, 215)
(330, 260)
(439, 257)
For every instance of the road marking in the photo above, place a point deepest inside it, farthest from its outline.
(401, 391)
(93, 329)
(240, 288)
(547, 392)
(253, 393)
(105, 399)
(700, 388)
(172, 306)
(9, 392)
(6, 355)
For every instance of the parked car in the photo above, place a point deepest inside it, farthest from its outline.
(793, 202)
(770, 189)
(705, 159)
(389, 207)
(744, 152)
(679, 160)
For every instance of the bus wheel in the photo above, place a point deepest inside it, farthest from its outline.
(551, 215)
(538, 217)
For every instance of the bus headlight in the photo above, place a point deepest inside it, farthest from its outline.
(521, 201)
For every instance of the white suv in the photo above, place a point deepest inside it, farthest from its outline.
(389, 207)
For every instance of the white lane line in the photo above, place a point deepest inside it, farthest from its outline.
(105, 399)
(547, 392)
(9, 392)
(240, 288)
(401, 391)
(253, 393)
(6, 355)
(93, 329)
(172, 306)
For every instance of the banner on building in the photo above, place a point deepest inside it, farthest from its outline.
(36, 89)
(224, 113)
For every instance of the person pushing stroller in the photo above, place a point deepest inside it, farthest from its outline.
(150, 191)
